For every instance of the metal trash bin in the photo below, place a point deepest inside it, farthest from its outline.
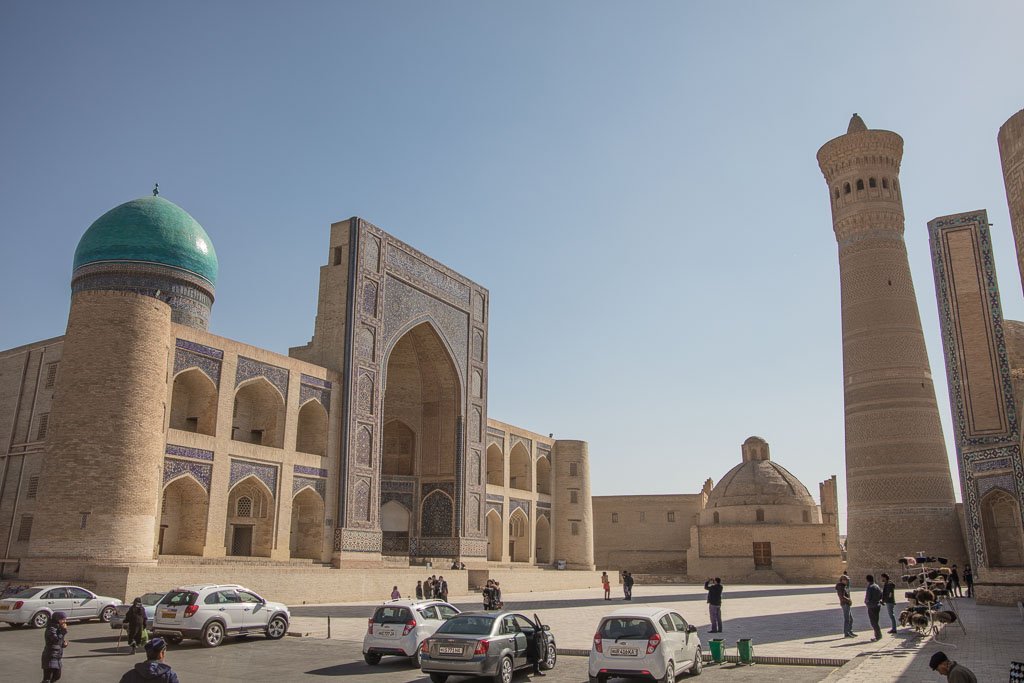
(717, 650)
(745, 648)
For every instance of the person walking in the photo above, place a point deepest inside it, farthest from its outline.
(136, 621)
(395, 593)
(714, 588)
(488, 594)
(606, 585)
(498, 603)
(873, 601)
(428, 589)
(969, 580)
(154, 669)
(55, 639)
(889, 600)
(954, 673)
(843, 591)
(442, 589)
(627, 585)
(419, 590)
(954, 583)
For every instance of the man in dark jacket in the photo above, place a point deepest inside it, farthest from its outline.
(714, 588)
(873, 601)
(954, 673)
(54, 642)
(846, 602)
(153, 670)
(889, 600)
(136, 621)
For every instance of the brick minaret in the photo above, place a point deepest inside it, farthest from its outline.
(899, 491)
(1011, 152)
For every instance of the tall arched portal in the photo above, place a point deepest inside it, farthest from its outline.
(183, 514)
(422, 434)
(493, 536)
(519, 536)
(543, 540)
(307, 537)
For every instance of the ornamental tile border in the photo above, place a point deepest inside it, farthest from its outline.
(174, 468)
(322, 396)
(497, 507)
(249, 368)
(408, 486)
(404, 498)
(188, 452)
(199, 348)
(544, 513)
(495, 498)
(318, 485)
(446, 486)
(495, 431)
(541, 505)
(518, 504)
(993, 464)
(357, 540)
(527, 443)
(185, 359)
(311, 471)
(315, 381)
(240, 469)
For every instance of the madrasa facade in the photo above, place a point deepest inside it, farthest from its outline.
(139, 441)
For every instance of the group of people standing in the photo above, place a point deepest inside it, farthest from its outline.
(875, 597)
(430, 588)
(492, 595)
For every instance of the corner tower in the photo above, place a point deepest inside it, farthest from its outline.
(139, 267)
(899, 490)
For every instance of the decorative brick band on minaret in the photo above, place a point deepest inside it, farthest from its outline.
(899, 491)
(1011, 152)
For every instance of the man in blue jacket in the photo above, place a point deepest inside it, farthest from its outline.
(153, 670)
(714, 589)
(873, 601)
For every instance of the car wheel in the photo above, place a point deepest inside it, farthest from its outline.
(438, 678)
(551, 659)
(505, 670)
(39, 619)
(13, 625)
(371, 658)
(698, 663)
(107, 614)
(213, 634)
(670, 674)
(173, 640)
(277, 628)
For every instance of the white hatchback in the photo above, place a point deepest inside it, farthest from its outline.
(644, 642)
(33, 606)
(210, 612)
(398, 627)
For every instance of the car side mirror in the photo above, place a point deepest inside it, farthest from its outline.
(691, 629)
(545, 627)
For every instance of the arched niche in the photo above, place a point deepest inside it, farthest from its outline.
(307, 536)
(495, 465)
(520, 468)
(493, 523)
(399, 455)
(543, 475)
(311, 435)
(258, 415)
(183, 514)
(395, 524)
(250, 519)
(194, 403)
(519, 536)
(543, 540)
(1001, 528)
(437, 515)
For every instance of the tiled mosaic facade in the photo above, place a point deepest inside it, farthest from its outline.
(189, 354)
(174, 468)
(188, 452)
(249, 369)
(240, 469)
(314, 388)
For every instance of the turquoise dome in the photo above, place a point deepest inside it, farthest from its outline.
(149, 230)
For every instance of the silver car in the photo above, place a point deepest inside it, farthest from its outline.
(494, 644)
(149, 603)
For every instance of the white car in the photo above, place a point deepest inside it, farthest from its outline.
(644, 642)
(398, 627)
(33, 606)
(210, 612)
(149, 603)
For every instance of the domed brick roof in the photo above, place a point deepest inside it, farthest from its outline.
(149, 230)
(758, 481)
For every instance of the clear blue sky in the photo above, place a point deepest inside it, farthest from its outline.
(634, 182)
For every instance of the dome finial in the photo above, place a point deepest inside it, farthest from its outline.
(156, 189)
(857, 124)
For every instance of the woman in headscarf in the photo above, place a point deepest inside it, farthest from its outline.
(136, 621)
(55, 640)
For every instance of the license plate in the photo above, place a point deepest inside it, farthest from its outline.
(168, 615)
(4, 607)
(449, 650)
(624, 652)
(386, 633)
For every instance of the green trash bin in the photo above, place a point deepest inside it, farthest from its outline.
(717, 650)
(745, 647)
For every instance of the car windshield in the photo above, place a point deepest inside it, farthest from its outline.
(391, 615)
(470, 625)
(627, 628)
(175, 598)
(27, 593)
(152, 598)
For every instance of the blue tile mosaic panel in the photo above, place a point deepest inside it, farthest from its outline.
(186, 360)
(240, 469)
(174, 468)
(438, 515)
(248, 369)
(495, 498)
(318, 485)
(322, 396)
(542, 505)
(446, 486)
(497, 507)
(517, 504)
(188, 452)
(407, 485)
(199, 348)
(315, 381)
(310, 471)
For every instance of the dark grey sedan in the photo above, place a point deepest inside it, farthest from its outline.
(493, 644)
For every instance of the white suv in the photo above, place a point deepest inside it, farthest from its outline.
(645, 642)
(211, 612)
(398, 627)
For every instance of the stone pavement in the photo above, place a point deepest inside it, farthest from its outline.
(798, 621)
